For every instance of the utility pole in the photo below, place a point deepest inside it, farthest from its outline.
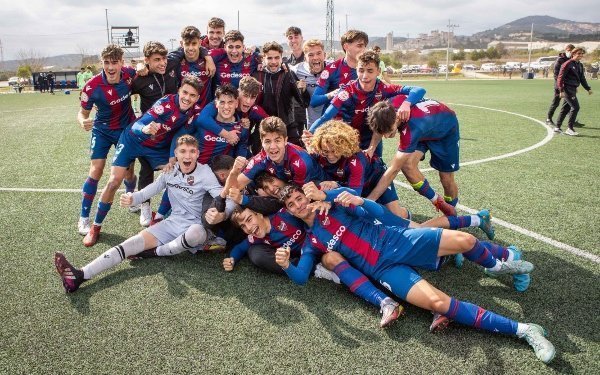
(450, 30)
(1, 56)
(238, 20)
(172, 40)
(346, 21)
(329, 28)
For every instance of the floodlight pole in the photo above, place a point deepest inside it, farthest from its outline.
(107, 33)
(529, 70)
(450, 27)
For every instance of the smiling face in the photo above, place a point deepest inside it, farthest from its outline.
(330, 153)
(226, 105)
(157, 63)
(235, 50)
(273, 59)
(315, 56)
(274, 146)
(253, 223)
(295, 42)
(297, 205)
(112, 70)
(273, 186)
(355, 48)
(187, 155)
(188, 96)
(367, 75)
(191, 48)
(215, 36)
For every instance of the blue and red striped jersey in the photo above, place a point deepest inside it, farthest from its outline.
(297, 166)
(228, 72)
(113, 102)
(336, 74)
(429, 120)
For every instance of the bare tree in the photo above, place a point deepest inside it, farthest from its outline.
(87, 57)
(31, 58)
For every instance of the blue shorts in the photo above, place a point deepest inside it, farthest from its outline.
(101, 141)
(416, 247)
(130, 148)
(444, 152)
(399, 279)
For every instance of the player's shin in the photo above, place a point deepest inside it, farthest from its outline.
(114, 256)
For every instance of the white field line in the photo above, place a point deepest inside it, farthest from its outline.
(36, 109)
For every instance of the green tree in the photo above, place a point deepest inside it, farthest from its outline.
(24, 71)
(460, 56)
(477, 55)
(433, 64)
(492, 53)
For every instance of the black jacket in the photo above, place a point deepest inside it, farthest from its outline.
(561, 59)
(571, 75)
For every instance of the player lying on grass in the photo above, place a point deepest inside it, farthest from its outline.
(285, 230)
(186, 185)
(388, 254)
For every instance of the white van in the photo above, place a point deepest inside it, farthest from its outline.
(489, 67)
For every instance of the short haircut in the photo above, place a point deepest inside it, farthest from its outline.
(293, 30)
(569, 47)
(88, 67)
(369, 57)
(352, 36)
(187, 139)
(577, 50)
(190, 33)
(262, 178)
(312, 43)
(82, 68)
(272, 46)
(272, 124)
(216, 23)
(286, 192)
(112, 52)
(151, 48)
(338, 135)
(250, 86)
(235, 215)
(193, 81)
(382, 117)
(226, 89)
(233, 36)
(222, 163)
(376, 48)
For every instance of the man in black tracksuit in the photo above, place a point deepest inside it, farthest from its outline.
(279, 86)
(562, 58)
(571, 75)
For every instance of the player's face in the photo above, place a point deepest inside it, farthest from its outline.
(215, 36)
(235, 51)
(188, 96)
(315, 56)
(191, 48)
(297, 205)
(273, 186)
(253, 224)
(186, 156)
(273, 59)
(295, 41)
(112, 69)
(246, 101)
(578, 56)
(157, 63)
(367, 75)
(355, 48)
(330, 153)
(226, 105)
(274, 146)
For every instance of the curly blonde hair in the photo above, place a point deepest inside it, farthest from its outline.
(337, 135)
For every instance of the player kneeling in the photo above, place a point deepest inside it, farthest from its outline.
(186, 186)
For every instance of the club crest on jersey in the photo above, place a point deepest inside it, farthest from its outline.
(190, 180)
(282, 227)
(325, 74)
(246, 64)
(340, 172)
(378, 96)
(158, 109)
(343, 95)
(84, 97)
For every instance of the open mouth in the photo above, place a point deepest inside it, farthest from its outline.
(187, 164)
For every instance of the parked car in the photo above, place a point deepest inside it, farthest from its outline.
(489, 67)
(13, 81)
(470, 67)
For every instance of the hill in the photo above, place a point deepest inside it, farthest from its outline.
(544, 27)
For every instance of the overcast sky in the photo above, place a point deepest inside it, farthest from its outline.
(74, 26)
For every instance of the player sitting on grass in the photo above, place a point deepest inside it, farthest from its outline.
(186, 185)
(388, 254)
